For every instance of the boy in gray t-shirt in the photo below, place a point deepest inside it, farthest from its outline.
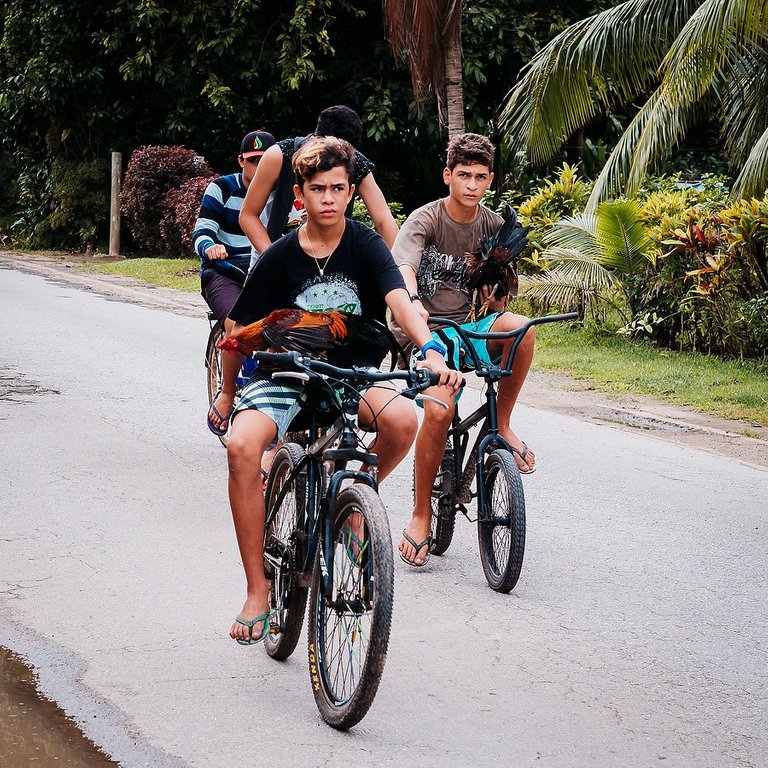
(429, 250)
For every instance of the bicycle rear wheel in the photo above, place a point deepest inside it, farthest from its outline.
(501, 536)
(443, 505)
(282, 554)
(349, 627)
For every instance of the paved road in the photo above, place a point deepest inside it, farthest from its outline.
(636, 635)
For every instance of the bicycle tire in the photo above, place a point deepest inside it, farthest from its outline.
(349, 632)
(213, 368)
(279, 538)
(443, 506)
(502, 537)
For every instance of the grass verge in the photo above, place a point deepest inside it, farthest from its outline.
(182, 274)
(727, 388)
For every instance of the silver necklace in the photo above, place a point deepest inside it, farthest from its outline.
(317, 258)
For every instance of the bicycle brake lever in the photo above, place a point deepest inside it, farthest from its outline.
(431, 399)
(291, 375)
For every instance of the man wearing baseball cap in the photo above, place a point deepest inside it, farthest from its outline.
(225, 252)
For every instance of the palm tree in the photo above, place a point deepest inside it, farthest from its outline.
(697, 54)
(428, 32)
(595, 258)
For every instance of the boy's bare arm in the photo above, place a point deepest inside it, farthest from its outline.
(376, 203)
(263, 183)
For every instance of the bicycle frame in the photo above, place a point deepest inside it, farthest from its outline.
(319, 509)
(488, 437)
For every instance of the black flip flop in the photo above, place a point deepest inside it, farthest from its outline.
(418, 547)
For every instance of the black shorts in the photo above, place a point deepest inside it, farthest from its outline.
(220, 292)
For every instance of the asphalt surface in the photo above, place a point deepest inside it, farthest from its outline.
(637, 633)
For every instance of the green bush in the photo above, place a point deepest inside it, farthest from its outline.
(552, 201)
(64, 205)
(710, 287)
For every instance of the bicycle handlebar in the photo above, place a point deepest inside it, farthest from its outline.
(516, 334)
(418, 379)
(521, 331)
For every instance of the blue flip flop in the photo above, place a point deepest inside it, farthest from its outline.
(222, 430)
(265, 617)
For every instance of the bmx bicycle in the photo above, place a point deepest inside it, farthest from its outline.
(326, 528)
(489, 464)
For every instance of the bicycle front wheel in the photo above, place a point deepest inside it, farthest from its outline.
(281, 554)
(350, 621)
(501, 531)
(213, 367)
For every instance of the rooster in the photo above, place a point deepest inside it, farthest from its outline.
(495, 264)
(311, 333)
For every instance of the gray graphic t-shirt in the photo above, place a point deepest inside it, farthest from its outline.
(434, 245)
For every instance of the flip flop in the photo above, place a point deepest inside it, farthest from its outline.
(265, 617)
(221, 430)
(418, 547)
(522, 456)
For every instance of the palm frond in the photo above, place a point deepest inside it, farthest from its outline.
(743, 92)
(657, 126)
(621, 235)
(609, 57)
(577, 267)
(753, 179)
(556, 290)
(575, 233)
(716, 30)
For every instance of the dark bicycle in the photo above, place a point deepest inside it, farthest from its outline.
(490, 465)
(327, 528)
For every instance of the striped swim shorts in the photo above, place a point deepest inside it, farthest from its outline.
(281, 402)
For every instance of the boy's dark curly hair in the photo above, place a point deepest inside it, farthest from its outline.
(470, 148)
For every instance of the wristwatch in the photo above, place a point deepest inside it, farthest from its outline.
(434, 345)
(414, 297)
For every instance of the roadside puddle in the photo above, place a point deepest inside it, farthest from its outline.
(33, 730)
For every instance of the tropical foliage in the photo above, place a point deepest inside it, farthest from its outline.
(678, 265)
(685, 60)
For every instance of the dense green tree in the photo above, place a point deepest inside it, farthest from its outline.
(688, 58)
(80, 79)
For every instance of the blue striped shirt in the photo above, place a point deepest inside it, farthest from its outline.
(218, 222)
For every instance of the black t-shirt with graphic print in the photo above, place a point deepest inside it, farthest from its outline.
(357, 276)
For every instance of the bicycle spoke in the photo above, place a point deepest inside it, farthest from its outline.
(501, 529)
(287, 598)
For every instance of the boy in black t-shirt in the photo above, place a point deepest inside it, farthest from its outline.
(329, 263)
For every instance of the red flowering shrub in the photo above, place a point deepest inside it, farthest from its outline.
(181, 206)
(152, 172)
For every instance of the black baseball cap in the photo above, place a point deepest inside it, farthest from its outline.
(256, 143)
